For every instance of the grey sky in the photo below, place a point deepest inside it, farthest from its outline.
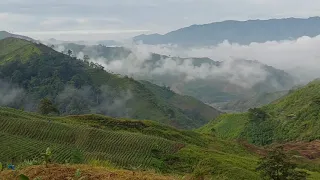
(114, 19)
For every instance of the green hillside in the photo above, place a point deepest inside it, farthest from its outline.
(24, 136)
(292, 118)
(218, 88)
(258, 100)
(125, 144)
(78, 87)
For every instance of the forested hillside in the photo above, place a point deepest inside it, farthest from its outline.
(31, 72)
(294, 117)
(208, 80)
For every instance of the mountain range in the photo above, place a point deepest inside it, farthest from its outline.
(203, 78)
(240, 32)
(32, 71)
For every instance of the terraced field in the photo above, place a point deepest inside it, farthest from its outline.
(24, 136)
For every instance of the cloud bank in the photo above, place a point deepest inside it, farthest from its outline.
(300, 57)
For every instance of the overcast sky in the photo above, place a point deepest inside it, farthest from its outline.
(117, 19)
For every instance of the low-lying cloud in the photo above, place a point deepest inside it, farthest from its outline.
(299, 57)
(9, 94)
(85, 100)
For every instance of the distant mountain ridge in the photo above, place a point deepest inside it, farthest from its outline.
(241, 32)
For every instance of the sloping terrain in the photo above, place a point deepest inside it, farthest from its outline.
(104, 141)
(5, 34)
(87, 172)
(208, 80)
(24, 136)
(124, 143)
(291, 118)
(254, 101)
(78, 87)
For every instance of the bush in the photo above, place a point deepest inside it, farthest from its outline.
(277, 166)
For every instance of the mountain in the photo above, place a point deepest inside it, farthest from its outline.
(5, 34)
(206, 79)
(241, 32)
(293, 117)
(33, 71)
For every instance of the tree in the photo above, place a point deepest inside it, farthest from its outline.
(86, 58)
(277, 166)
(52, 46)
(256, 114)
(69, 52)
(46, 107)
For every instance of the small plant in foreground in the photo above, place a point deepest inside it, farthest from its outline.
(47, 156)
(77, 175)
(1, 167)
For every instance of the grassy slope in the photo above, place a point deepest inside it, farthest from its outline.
(293, 117)
(125, 143)
(87, 172)
(25, 135)
(146, 102)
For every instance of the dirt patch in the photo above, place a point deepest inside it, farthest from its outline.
(309, 150)
(65, 172)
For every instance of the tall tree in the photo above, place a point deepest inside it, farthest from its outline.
(69, 52)
(86, 58)
(46, 107)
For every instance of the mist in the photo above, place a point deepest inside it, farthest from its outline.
(300, 58)
(140, 66)
(9, 94)
(85, 100)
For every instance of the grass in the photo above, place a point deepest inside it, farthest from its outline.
(125, 143)
(25, 136)
(88, 172)
(292, 118)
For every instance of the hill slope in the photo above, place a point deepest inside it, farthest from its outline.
(203, 78)
(30, 72)
(125, 143)
(254, 101)
(242, 32)
(104, 141)
(292, 118)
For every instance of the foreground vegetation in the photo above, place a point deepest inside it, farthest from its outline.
(122, 143)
